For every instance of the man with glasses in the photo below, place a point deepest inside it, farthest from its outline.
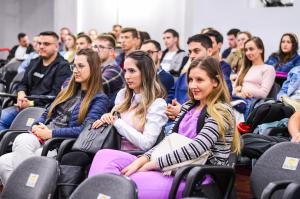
(44, 76)
(111, 73)
(153, 48)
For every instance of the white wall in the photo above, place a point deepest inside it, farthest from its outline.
(186, 16)
(267, 23)
(152, 16)
(29, 16)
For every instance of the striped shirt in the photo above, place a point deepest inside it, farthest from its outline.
(208, 138)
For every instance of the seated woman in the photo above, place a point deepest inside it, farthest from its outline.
(70, 48)
(142, 110)
(82, 101)
(255, 79)
(207, 90)
(287, 56)
(235, 58)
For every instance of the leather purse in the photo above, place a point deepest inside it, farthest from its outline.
(92, 140)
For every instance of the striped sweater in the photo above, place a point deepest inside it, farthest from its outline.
(207, 138)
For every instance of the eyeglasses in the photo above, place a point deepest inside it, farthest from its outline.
(150, 52)
(100, 47)
(78, 67)
(44, 43)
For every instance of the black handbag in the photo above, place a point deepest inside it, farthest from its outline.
(92, 140)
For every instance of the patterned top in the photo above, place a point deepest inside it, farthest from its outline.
(208, 138)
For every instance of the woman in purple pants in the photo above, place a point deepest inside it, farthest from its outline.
(209, 94)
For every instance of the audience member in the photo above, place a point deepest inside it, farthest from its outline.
(116, 29)
(22, 67)
(217, 42)
(83, 41)
(256, 78)
(153, 48)
(129, 40)
(19, 51)
(82, 101)
(172, 56)
(111, 73)
(142, 115)
(236, 57)
(93, 34)
(232, 42)
(143, 36)
(43, 76)
(64, 31)
(70, 48)
(287, 56)
(199, 46)
(218, 134)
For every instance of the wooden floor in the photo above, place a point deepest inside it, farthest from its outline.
(242, 183)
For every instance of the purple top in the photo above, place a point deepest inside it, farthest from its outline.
(188, 125)
(188, 128)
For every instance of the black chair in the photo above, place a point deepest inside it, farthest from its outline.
(272, 187)
(223, 176)
(21, 124)
(292, 191)
(274, 91)
(110, 185)
(34, 178)
(11, 89)
(276, 164)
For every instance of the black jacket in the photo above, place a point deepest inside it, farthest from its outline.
(50, 83)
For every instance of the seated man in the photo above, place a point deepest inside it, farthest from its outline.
(112, 76)
(255, 145)
(153, 48)
(19, 51)
(44, 76)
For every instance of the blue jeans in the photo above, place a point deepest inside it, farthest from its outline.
(7, 116)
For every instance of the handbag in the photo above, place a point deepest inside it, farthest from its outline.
(92, 140)
(173, 142)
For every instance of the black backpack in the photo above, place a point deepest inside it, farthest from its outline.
(268, 112)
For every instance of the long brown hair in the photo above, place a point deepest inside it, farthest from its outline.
(285, 57)
(151, 86)
(94, 86)
(247, 63)
(217, 98)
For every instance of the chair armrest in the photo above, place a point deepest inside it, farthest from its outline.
(9, 137)
(65, 147)
(52, 144)
(180, 175)
(272, 187)
(223, 176)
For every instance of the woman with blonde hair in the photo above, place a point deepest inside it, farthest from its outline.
(70, 48)
(142, 116)
(81, 101)
(209, 98)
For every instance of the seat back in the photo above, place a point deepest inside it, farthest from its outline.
(292, 191)
(35, 178)
(26, 117)
(109, 185)
(280, 162)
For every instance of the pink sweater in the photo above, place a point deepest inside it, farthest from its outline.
(259, 80)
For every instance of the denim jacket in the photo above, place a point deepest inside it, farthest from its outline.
(291, 84)
(273, 60)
